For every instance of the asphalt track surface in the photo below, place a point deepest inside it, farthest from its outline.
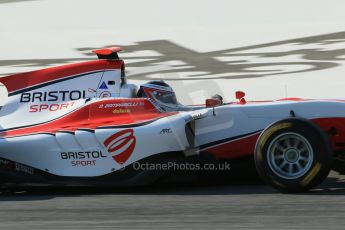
(248, 206)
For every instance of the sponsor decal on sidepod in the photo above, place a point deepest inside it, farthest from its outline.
(88, 158)
(121, 145)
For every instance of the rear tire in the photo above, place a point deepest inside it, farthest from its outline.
(293, 155)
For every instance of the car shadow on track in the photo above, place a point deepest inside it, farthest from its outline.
(333, 185)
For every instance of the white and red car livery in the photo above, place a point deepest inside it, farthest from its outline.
(83, 124)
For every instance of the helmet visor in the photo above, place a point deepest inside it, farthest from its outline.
(164, 97)
(161, 96)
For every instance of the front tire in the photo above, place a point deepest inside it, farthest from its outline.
(293, 155)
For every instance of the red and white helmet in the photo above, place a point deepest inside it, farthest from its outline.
(160, 92)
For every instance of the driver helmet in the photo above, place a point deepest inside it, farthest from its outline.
(159, 91)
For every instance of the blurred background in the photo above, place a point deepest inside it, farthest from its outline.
(270, 48)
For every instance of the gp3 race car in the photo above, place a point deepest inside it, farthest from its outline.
(84, 125)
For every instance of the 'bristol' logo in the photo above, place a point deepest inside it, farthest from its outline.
(121, 145)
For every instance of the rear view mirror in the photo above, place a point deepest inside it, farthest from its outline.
(239, 94)
(213, 102)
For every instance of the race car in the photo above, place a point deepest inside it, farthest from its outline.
(83, 124)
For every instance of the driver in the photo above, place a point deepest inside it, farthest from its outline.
(161, 93)
(218, 97)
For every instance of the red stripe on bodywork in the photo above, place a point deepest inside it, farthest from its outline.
(334, 127)
(236, 148)
(96, 115)
(28, 79)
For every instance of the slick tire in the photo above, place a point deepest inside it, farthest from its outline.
(293, 155)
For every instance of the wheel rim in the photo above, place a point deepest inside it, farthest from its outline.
(290, 155)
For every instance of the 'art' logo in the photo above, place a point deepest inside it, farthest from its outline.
(121, 145)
